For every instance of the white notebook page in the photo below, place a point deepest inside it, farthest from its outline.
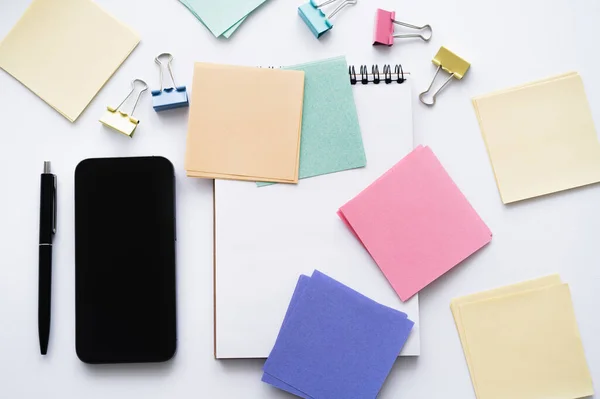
(266, 237)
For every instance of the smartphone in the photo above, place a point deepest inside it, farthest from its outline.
(125, 244)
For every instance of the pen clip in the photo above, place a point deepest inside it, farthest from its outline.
(54, 208)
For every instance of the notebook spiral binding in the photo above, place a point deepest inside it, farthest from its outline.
(398, 76)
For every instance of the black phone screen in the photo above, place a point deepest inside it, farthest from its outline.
(125, 260)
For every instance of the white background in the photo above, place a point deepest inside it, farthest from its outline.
(508, 42)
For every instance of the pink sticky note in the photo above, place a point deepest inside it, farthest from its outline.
(384, 27)
(415, 222)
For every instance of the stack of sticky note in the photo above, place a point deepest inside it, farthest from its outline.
(335, 342)
(222, 17)
(522, 342)
(331, 137)
(65, 51)
(245, 123)
(415, 222)
(540, 137)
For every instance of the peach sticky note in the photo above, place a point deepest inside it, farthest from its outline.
(522, 342)
(540, 137)
(65, 51)
(415, 222)
(245, 123)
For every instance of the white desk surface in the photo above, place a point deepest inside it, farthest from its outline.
(508, 42)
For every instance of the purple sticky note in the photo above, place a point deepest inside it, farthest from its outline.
(269, 379)
(300, 286)
(298, 291)
(335, 342)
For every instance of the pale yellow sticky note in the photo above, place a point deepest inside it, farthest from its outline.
(540, 137)
(526, 345)
(456, 304)
(65, 50)
(537, 82)
(245, 123)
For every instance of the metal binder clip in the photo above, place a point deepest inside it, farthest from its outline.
(170, 95)
(316, 19)
(121, 118)
(384, 29)
(449, 62)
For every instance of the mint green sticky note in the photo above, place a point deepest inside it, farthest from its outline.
(230, 31)
(331, 140)
(219, 16)
(225, 34)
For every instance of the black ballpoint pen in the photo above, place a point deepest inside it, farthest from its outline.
(47, 231)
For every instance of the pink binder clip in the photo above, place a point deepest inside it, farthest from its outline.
(384, 29)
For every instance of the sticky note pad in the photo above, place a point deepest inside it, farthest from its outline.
(300, 286)
(522, 342)
(331, 138)
(64, 51)
(190, 6)
(245, 123)
(415, 223)
(540, 137)
(335, 342)
(511, 289)
(219, 16)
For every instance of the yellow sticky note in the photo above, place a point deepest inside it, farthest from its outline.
(522, 342)
(456, 304)
(245, 123)
(540, 137)
(65, 50)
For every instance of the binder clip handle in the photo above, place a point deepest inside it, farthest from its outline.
(339, 8)
(451, 63)
(126, 107)
(164, 63)
(425, 31)
(433, 97)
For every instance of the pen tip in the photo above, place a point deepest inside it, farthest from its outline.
(43, 347)
(46, 166)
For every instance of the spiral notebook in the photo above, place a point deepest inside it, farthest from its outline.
(266, 237)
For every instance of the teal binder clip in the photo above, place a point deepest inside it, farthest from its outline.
(170, 95)
(315, 18)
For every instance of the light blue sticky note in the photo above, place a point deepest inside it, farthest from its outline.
(220, 15)
(331, 140)
(230, 31)
(225, 34)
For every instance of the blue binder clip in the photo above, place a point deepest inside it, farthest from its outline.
(315, 18)
(170, 95)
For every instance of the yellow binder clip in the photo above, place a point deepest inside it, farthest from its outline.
(121, 118)
(449, 62)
